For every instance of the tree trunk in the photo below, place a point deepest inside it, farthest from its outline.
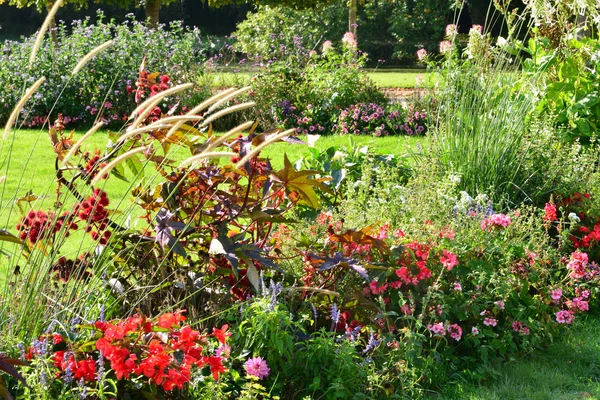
(152, 9)
(352, 19)
(52, 27)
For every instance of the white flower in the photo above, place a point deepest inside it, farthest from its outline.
(574, 218)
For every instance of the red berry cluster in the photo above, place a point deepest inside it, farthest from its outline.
(93, 165)
(39, 224)
(93, 211)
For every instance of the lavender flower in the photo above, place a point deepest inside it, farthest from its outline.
(335, 316)
(372, 343)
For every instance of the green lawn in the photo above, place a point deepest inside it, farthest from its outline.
(569, 369)
(383, 78)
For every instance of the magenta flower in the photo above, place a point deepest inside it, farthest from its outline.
(455, 331)
(556, 294)
(578, 264)
(449, 260)
(564, 317)
(437, 329)
(257, 367)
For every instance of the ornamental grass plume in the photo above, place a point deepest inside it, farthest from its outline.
(257, 367)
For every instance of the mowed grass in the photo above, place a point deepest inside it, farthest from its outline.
(569, 369)
(383, 78)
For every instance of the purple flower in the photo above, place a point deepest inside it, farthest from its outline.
(257, 367)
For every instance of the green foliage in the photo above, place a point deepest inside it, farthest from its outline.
(417, 24)
(310, 99)
(283, 33)
(102, 91)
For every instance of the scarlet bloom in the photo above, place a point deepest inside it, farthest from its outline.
(169, 319)
(216, 366)
(221, 334)
(550, 212)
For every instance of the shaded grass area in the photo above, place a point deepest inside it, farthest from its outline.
(568, 369)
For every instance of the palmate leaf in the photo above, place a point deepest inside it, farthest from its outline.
(300, 182)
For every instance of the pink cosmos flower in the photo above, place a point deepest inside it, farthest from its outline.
(438, 328)
(257, 367)
(489, 321)
(446, 47)
(449, 260)
(578, 264)
(455, 331)
(421, 54)
(564, 317)
(457, 287)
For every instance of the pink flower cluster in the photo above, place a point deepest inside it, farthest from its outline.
(349, 41)
(495, 221)
(564, 317)
(421, 55)
(454, 330)
(520, 327)
(449, 260)
(578, 264)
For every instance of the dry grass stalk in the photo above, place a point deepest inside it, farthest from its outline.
(15, 113)
(89, 56)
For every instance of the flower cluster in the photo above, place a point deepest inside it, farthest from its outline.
(368, 119)
(161, 352)
(495, 221)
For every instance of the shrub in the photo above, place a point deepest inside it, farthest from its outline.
(316, 94)
(104, 93)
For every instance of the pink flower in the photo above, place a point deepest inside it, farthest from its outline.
(421, 54)
(518, 326)
(477, 29)
(495, 221)
(578, 264)
(405, 309)
(474, 331)
(349, 40)
(438, 328)
(564, 317)
(579, 304)
(457, 287)
(446, 47)
(327, 46)
(257, 367)
(449, 260)
(455, 331)
(500, 304)
(376, 288)
(489, 321)
(556, 294)
(451, 30)
(550, 212)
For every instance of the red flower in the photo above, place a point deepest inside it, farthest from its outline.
(169, 319)
(221, 334)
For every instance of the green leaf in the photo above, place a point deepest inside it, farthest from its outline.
(9, 237)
